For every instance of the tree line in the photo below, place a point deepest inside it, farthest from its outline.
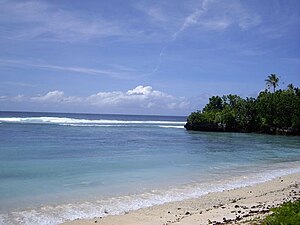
(276, 112)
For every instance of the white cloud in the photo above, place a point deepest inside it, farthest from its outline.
(247, 21)
(190, 20)
(3, 97)
(16, 83)
(140, 90)
(218, 15)
(141, 97)
(41, 20)
(155, 13)
(45, 20)
(57, 97)
(280, 26)
(52, 96)
(115, 71)
(213, 15)
(114, 74)
(19, 98)
(216, 24)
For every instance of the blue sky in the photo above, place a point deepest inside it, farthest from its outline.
(142, 57)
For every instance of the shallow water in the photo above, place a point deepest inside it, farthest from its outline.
(55, 167)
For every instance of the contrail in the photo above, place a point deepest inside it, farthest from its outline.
(188, 21)
(160, 58)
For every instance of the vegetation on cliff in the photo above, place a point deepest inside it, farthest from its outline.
(287, 214)
(276, 112)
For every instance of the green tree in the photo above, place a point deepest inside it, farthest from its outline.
(272, 81)
(291, 88)
(273, 113)
(215, 104)
(247, 114)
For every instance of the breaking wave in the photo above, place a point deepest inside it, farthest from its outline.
(88, 122)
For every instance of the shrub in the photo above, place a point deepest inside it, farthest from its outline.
(287, 214)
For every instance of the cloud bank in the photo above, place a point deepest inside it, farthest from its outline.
(140, 97)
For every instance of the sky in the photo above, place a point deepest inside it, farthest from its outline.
(159, 57)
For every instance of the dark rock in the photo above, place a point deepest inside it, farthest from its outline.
(211, 127)
(214, 127)
(238, 218)
(265, 211)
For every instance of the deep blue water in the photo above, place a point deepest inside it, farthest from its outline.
(55, 167)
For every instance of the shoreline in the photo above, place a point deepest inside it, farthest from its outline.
(236, 206)
(214, 128)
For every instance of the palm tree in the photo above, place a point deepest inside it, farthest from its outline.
(291, 87)
(272, 81)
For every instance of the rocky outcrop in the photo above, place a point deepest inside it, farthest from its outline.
(212, 127)
(204, 127)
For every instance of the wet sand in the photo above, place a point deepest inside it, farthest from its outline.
(236, 206)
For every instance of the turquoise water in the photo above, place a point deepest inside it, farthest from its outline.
(57, 167)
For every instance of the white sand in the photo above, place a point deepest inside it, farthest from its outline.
(235, 206)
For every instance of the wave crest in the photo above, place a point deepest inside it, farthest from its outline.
(75, 121)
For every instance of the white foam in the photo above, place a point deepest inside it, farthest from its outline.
(91, 125)
(118, 125)
(177, 127)
(52, 215)
(66, 120)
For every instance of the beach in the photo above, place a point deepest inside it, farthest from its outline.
(57, 168)
(149, 112)
(236, 206)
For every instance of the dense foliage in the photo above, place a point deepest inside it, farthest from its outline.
(271, 112)
(287, 214)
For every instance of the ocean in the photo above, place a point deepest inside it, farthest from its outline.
(56, 167)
